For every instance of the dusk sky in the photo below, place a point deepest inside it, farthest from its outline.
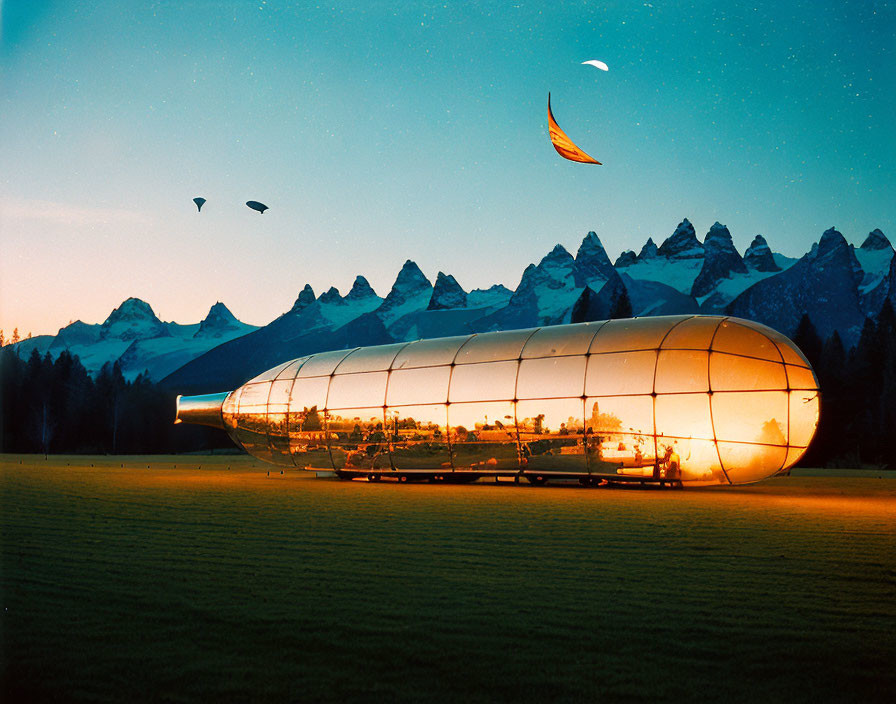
(382, 131)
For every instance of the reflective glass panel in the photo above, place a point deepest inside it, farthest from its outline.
(558, 340)
(358, 439)
(253, 421)
(278, 406)
(692, 334)
(789, 351)
(289, 371)
(684, 416)
(750, 463)
(278, 400)
(551, 377)
(416, 386)
(254, 395)
(270, 373)
(620, 434)
(492, 381)
(739, 339)
(493, 346)
(281, 456)
(357, 390)
(323, 363)
(620, 373)
(803, 417)
(689, 460)
(682, 370)
(370, 359)
(252, 434)
(278, 435)
(309, 392)
(552, 434)
(419, 437)
(483, 436)
(230, 407)
(634, 333)
(622, 453)
(758, 416)
(619, 414)
(308, 437)
(728, 372)
(801, 378)
(429, 353)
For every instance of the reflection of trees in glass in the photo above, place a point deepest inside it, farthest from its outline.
(604, 422)
(309, 419)
(772, 433)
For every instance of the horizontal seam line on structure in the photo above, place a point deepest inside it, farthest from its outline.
(643, 394)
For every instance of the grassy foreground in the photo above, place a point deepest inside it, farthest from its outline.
(195, 578)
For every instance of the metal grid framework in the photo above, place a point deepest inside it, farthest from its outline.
(695, 399)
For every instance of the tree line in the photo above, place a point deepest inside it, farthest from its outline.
(858, 394)
(54, 406)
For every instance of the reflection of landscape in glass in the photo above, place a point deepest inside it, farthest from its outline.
(679, 399)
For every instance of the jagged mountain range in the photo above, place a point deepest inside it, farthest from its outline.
(835, 283)
(133, 336)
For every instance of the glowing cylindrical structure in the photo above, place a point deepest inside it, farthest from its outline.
(680, 399)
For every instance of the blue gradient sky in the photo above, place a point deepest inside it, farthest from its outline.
(380, 131)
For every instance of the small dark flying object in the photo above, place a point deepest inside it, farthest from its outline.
(255, 205)
(199, 203)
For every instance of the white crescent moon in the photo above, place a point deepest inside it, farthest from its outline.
(597, 64)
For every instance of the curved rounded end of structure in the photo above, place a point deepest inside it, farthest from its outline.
(201, 410)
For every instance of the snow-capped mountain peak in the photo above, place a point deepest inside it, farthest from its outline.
(626, 258)
(876, 240)
(554, 271)
(306, 298)
(833, 247)
(447, 294)
(133, 320)
(409, 278)
(824, 283)
(592, 263)
(411, 291)
(360, 289)
(682, 244)
(875, 256)
(721, 260)
(558, 255)
(759, 256)
(649, 250)
(330, 296)
(220, 322)
(495, 295)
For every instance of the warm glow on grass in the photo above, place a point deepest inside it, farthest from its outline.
(202, 578)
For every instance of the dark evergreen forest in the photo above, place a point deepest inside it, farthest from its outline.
(54, 406)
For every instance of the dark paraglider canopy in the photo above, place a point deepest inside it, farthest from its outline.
(199, 203)
(255, 205)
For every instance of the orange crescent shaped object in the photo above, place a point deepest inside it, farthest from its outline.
(563, 144)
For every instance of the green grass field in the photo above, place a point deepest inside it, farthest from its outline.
(203, 579)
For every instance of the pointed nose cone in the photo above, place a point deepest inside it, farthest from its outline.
(201, 410)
